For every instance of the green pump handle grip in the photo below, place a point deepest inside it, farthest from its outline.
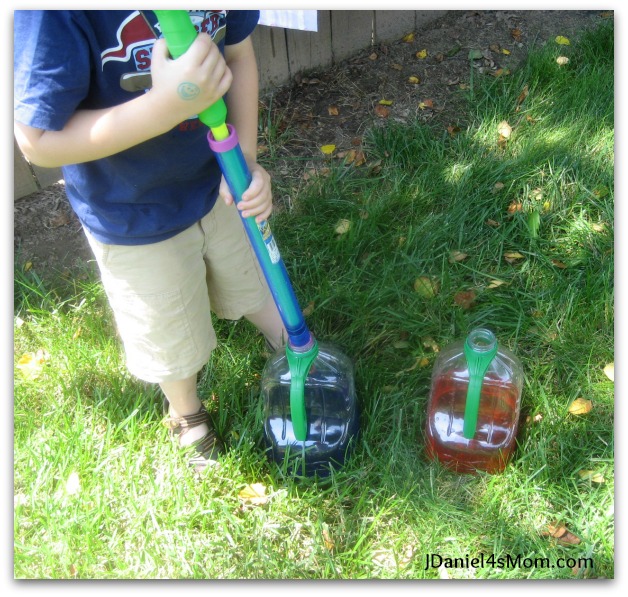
(299, 364)
(480, 349)
(179, 33)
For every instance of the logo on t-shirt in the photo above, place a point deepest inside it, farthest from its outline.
(135, 37)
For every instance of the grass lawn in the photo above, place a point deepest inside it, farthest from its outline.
(508, 227)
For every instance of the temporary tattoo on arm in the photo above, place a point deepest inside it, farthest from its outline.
(188, 91)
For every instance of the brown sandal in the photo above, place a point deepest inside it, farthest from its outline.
(207, 449)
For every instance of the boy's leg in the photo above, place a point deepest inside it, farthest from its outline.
(268, 321)
(159, 296)
(184, 401)
(236, 283)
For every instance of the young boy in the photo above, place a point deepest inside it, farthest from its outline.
(97, 94)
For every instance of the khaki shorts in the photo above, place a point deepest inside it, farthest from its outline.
(162, 293)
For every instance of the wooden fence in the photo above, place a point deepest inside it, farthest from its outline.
(281, 54)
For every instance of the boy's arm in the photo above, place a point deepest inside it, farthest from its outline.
(90, 134)
(243, 95)
(95, 134)
(242, 113)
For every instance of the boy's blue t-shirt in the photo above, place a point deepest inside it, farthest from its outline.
(71, 60)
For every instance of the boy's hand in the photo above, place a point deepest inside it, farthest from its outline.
(186, 86)
(257, 200)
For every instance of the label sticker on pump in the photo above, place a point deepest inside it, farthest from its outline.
(269, 241)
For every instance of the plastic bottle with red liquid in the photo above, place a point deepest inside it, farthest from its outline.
(474, 405)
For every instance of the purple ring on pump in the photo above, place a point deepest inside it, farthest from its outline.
(221, 146)
(309, 344)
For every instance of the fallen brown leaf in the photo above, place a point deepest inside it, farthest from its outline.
(455, 256)
(594, 477)
(453, 130)
(563, 535)
(513, 256)
(504, 129)
(360, 158)
(327, 540)
(429, 342)
(417, 363)
(31, 364)
(516, 34)
(309, 309)
(464, 299)
(313, 173)
(342, 227)
(535, 419)
(333, 110)
(426, 286)
(382, 111)
(61, 219)
(254, 494)
(580, 406)
(375, 167)
(523, 94)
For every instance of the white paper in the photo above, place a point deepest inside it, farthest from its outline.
(304, 20)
